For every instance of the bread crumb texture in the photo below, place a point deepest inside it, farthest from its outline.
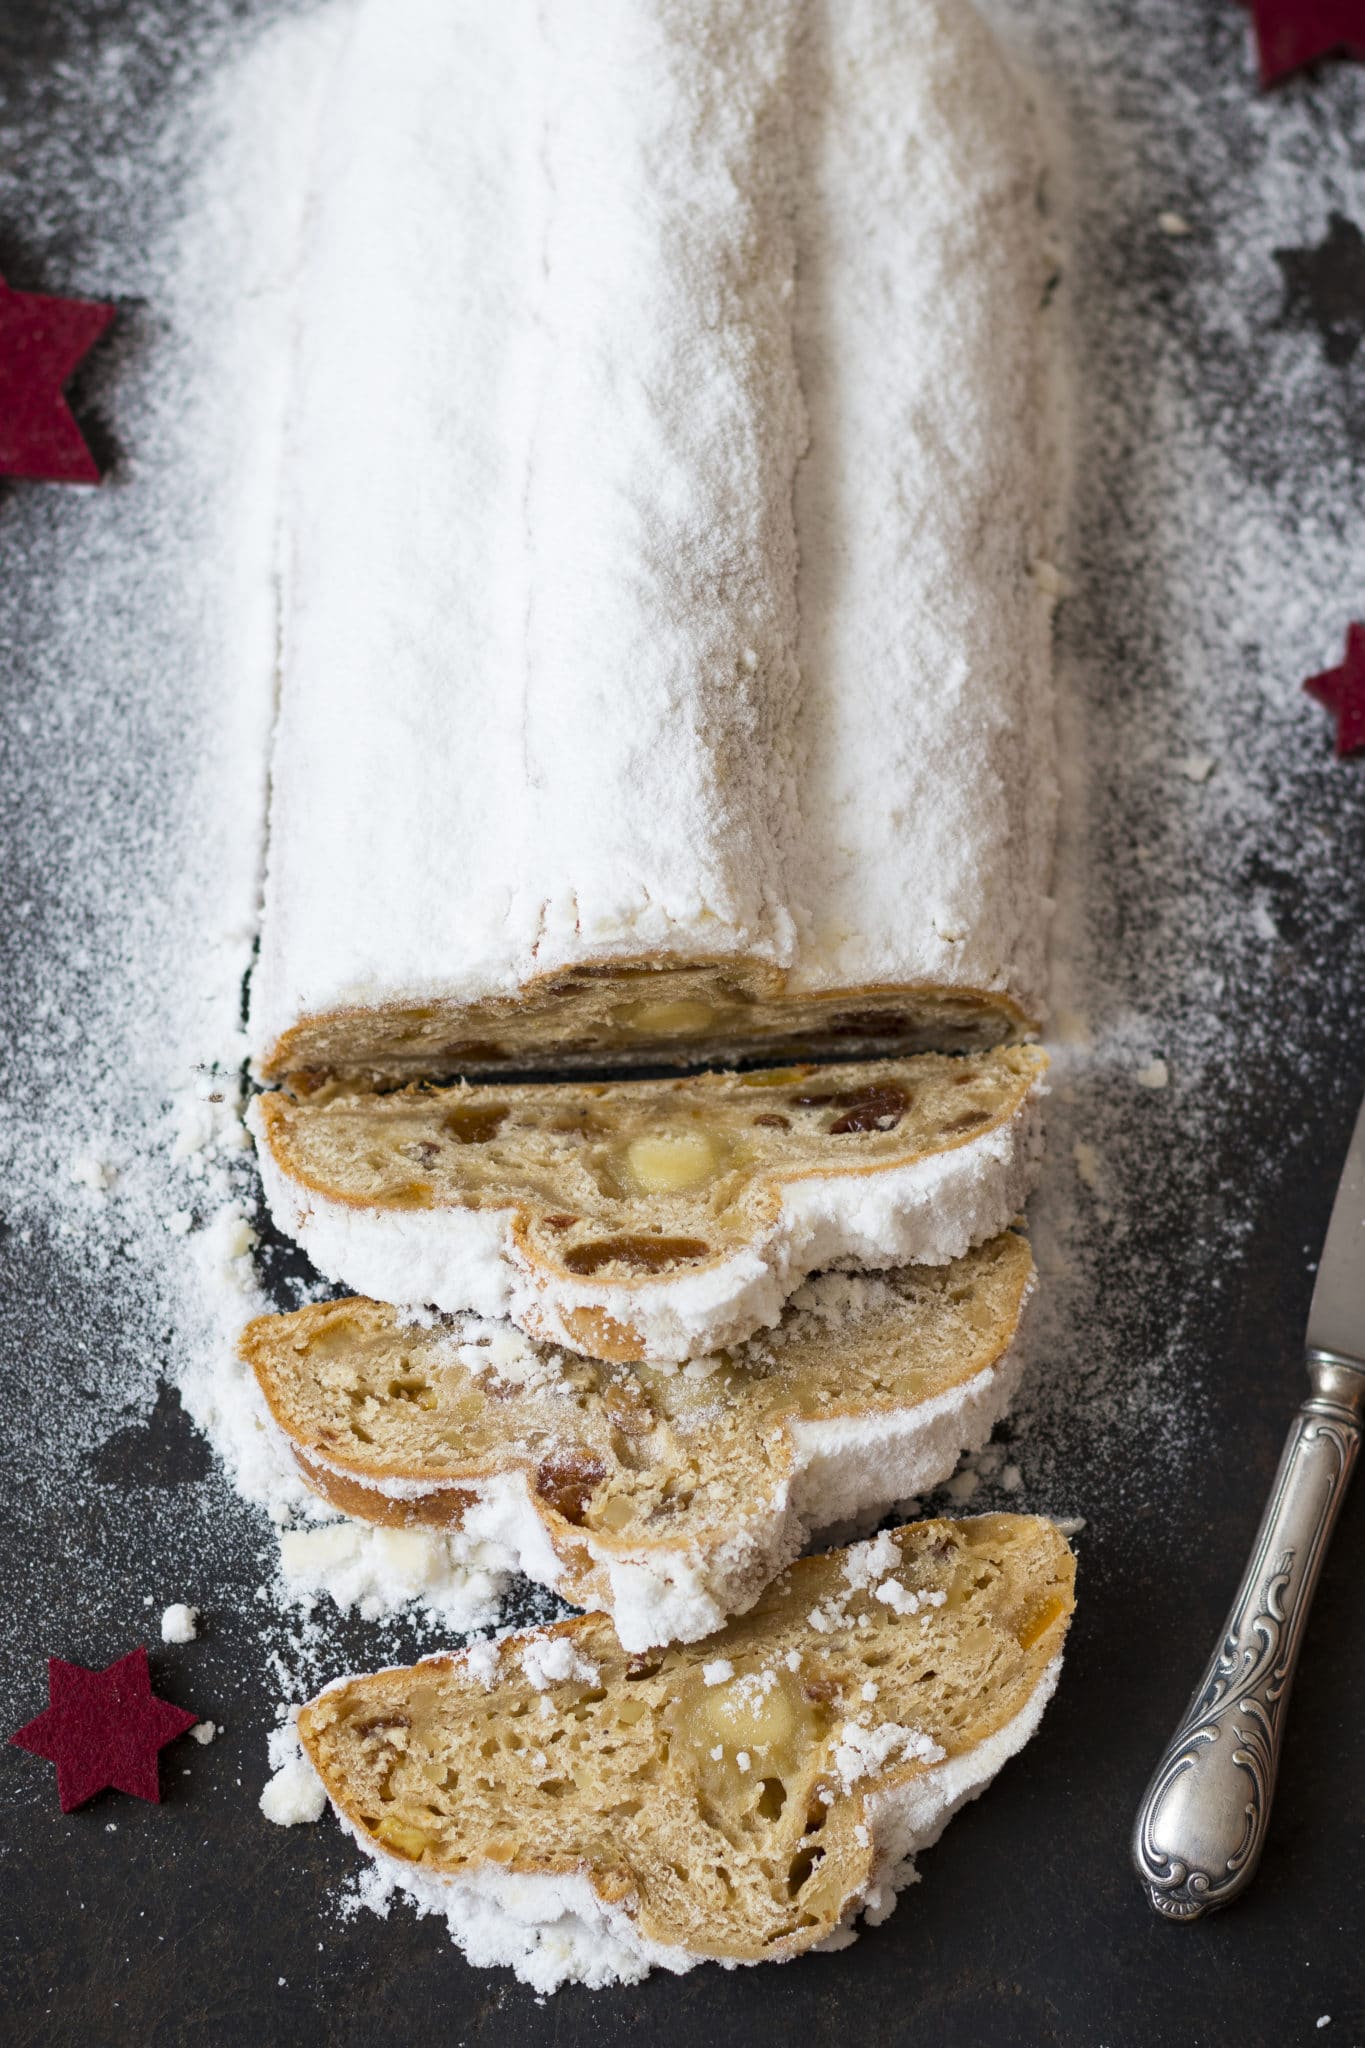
(724, 1465)
(736, 1814)
(650, 1219)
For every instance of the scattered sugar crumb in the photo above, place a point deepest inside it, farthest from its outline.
(553, 1660)
(294, 1795)
(870, 1561)
(88, 1170)
(897, 1597)
(717, 1671)
(1173, 224)
(1087, 1162)
(482, 1660)
(859, 1751)
(204, 1731)
(1156, 1074)
(179, 1623)
(1195, 767)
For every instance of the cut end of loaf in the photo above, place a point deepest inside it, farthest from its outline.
(739, 1799)
(637, 1013)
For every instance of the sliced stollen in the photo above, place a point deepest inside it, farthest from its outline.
(651, 1219)
(680, 675)
(586, 1815)
(669, 1498)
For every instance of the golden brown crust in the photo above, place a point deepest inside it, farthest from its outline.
(444, 1507)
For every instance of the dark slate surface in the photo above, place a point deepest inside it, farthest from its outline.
(196, 1923)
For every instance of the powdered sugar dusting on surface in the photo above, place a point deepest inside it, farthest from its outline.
(139, 620)
(1210, 923)
(1215, 557)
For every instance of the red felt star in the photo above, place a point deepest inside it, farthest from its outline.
(1292, 33)
(42, 340)
(103, 1728)
(1342, 690)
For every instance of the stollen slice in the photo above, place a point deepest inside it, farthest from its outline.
(651, 1219)
(585, 1814)
(665, 1497)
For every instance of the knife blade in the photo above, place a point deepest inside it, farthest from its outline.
(1336, 1319)
(1202, 1824)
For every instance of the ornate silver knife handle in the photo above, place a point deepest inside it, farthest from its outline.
(1201, 1827)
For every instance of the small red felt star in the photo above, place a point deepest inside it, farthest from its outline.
(1342, 690)
(103, 1728)
(1292, 33)
(42, 341)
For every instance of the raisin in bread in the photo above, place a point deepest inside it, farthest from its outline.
(715, 717)
(582, 1813)
(650, 1219)
(667, 1498)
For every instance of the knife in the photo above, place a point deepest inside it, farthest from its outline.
(1202, 1825)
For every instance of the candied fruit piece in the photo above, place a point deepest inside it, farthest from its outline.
(568, 1480)
(678, 1016)
(880, 1109)
(475, 1123)
(401, 1836)
(1041, 1621)
(639, 1254)
(672, 1162)
(971, 1120)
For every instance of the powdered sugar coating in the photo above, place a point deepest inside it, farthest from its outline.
(925, 1212)
(540, 693)
(927, 508)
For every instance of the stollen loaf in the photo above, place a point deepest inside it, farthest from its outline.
(667, 500)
